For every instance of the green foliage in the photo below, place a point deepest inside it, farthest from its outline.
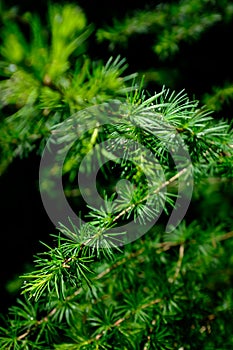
(219, 97)
(92, 287)
(48, 76)
(126, 306)
(95, 294)
(171, 24)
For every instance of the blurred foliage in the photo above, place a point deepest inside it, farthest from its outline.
(170, 23)
(219, 97)
(171, 28)
(48, 76)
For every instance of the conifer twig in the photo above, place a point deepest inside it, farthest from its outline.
(79, 290)
(122, 319)
(164, 245)
(163, 185)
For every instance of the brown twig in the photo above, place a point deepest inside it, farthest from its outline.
(178, 265)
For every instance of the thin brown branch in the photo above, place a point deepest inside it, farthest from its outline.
(22, 336)
(178, 265)
(119, 263)
(224, 237)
